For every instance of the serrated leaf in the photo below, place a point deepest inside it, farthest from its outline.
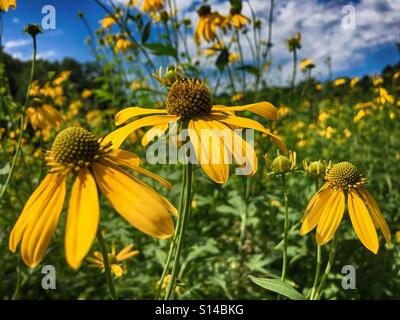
(278, 286)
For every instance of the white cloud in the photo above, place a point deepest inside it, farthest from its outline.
(47, 54)
(15, 20)
(11, 44)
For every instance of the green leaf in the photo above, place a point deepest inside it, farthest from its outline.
(160, 49)
(278, 286)
(222, 60)
(146, 32)
(249, 68)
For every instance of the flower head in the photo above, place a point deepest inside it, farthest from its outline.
(152, 6)
(236, 19)
(307, 64)
(114, 258)
(208, 23)
(6, 4)
(294, 43)
(189, 101)
(93, 165)
(326, 208)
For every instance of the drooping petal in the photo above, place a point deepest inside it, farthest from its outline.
(362, 222)
(242, 151)
(126, 253)
(128, 113)
(52, 116)
(83, 218)
(376, 214)
(139, 205)
(211, 156)
(314, 210)
(330, 217)
(36, 225)
(125, 158)
(263, 109)
(251, 124)
(156, 131)
(118, 136)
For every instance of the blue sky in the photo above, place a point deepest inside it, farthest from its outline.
(365, 50)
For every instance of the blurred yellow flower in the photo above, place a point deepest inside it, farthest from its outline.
(122, 45)
(43, 116)
(326, 208)
(107, 22)
(376, 81)
(208, 23)
(237, 97)
(93, 165)
(294, 42)
(398, 236)
(339, 82)
(319, 87)
(347, 133)
(354, 81)
(63, 76)
(152, 6)
(236, 19)
(323, 116)
(284, 111)
(396, 75)
(86, 94)
(114, 259)
(5, 4)
(360, 114)
(307, 64)
(384, 96)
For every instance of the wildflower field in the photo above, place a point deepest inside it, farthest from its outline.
(182, 162)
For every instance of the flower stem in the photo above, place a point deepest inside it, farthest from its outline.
(107, 268)
(22, 121)
(294, 68)
(180, 233)
(172, 246)
(320, 289)
(285, 229)
(317, 273)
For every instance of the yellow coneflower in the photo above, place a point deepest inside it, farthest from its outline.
(191, 101)
(5, 4)
(93, 165)
(108, 22)
(236, 19)
(43, 116)
(152, 6)
(62, 77)
(307, 64)
(326, 208)
(384, 96)
(354, 82)
(293, 43)
(339, 82)
(122, 45)
(208, 23)
(114, 258)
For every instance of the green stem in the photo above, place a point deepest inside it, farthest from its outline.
(18, 284)
(184, 216)
(107, 268)
(294, 68)
(172, 246)
(317, 273)
(286, 228)
(320, 289)
(22, 121)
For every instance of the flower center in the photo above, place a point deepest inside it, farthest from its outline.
(74, 145)
(189, 98)
(204, 10)
(344, 174)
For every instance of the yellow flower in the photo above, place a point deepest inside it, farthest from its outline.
(326, 208)
(238, 96)
(294, 42)
(306, 64)
(107, 22)
(122, 45)
(384, 96)
(93, 165)
(398, 236)
(354, 81)
(62, 77)
(236, 19)
(73, 109)
(86, 94)
(376, 81)
(319, 87)
(284, 111)
(347, 133)
(152, 6)
(191, 100)
(339, 82)
(34, 90)
(43, 116)
(360, 114)
(114, 259)
(5, 4)
(208, 23)
(396, 75)
(233, 57)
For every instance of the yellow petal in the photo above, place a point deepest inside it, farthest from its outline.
(362, 221)
(314, 210)
(251, 124)
(83, 218)
(140, 206)
(211, 155)
(118, 136)
(156, 131)
(129, 113)
(117, 270)
(42, 220)
(242, 152)
(330, 217)
(125, 158)
(263, 109)
(376, 214)
(126, 253)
